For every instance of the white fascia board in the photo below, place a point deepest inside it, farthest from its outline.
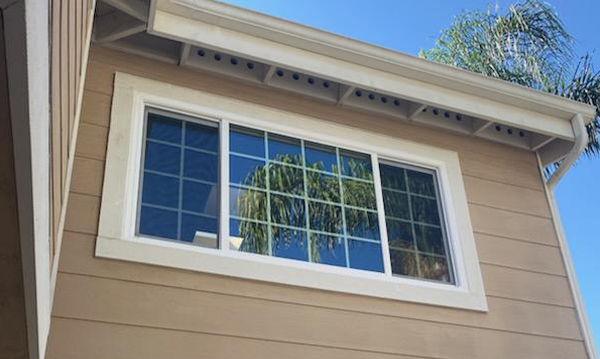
(288, 35)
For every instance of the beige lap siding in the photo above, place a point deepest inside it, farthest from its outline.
(115, 309)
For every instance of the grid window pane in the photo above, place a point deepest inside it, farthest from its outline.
(247, 171)
(162, 158)
(248, 236)
(163, 128)
(320, 157)
(416, 238)
(161, 190)
(289, 243)
(179, 194)
(285, 149)
(247, 141)
(201, 166)
(328, 250)
(298, 195)
(365, 255)
(325, 217)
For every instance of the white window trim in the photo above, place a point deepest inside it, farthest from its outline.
(117, 235)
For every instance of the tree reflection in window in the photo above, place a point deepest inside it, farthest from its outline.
(303, 201)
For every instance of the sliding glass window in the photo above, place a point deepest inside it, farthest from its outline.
(289, 197)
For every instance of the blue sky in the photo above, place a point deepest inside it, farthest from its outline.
(411, 25)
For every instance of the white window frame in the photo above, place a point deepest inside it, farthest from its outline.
(117, 237)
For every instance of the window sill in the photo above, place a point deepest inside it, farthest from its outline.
(288, 272)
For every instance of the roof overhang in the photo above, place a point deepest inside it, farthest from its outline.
(286, 55)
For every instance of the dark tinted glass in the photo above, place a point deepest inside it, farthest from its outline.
(435, 268)
(158, 222)
(400, 234)
(392, 177)
(430, 239)
(396, 204)
(201, 166)
(421, 183)
(200, 197)
(425, 210)
(196, 229)
(404, 262)
(162, 158)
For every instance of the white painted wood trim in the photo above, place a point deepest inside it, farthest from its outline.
(274, 29)
(117, 238)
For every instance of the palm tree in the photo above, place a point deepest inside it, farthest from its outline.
(527, 45)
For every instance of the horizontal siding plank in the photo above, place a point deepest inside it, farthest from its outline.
(519, 254)
(535, 287)
(504, 314)
(88, 176)
(501, 170)
(76, 339)
(146, 305)
(508, 197)
(513, 225)
(96, 108)
(92, 141)
(82, 214)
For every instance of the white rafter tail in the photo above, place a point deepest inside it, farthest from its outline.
(414, 109)
(184, 53)
(345, 93)
(538, 141)
(134, 8)
(268, 73)
(115, 26)
(479, 126)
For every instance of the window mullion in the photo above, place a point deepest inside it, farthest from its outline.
(387, 263)
(309, 245)
(224, 184)
(268, 188)
(344, 230)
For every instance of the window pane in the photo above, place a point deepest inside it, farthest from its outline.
(200, 197)
(430, 239)
(160, 190)
(325, 217)
(201, 166)
(247, 171)
(289, 243)
(362, 224)
(158, 222)
(416, 239)
(285, 149)
(323, 186)
(425, 210)
(356, 165)
(202, 137)
(359, 193)
(320, 157)
(328, 250)
(179, 194)
(392, 177)
(247, 141)
(162, 158)
(399, 234)
(298, 194)
(248, 203)
(287, 210)
(247, 236)
(200, 230)
(404, 262)
(365, 255)
(421, 183)
(435, 268)
(163, 128)
(396, 204)
(288, 179)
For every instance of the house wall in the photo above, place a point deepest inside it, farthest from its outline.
(114, 309)
(69, 36)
